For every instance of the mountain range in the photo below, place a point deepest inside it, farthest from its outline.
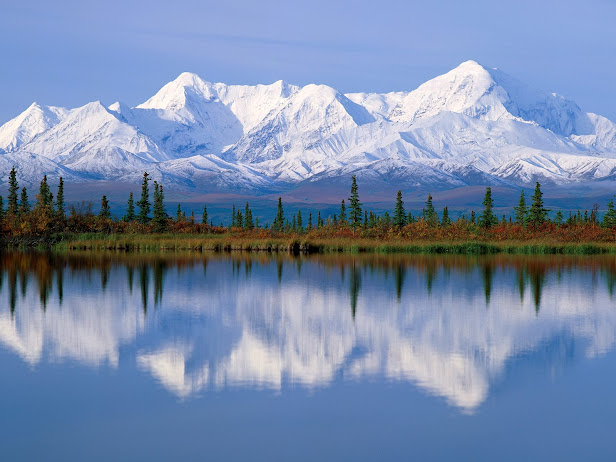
(470, 126)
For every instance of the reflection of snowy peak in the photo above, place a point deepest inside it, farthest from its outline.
(279, 134)
(452, 331)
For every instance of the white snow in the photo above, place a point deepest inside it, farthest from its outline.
(469, 119)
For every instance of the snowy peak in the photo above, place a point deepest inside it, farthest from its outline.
(177, 93)
(471, 125)
(27, 125)
(90, 130)
(490, 94)
(311, 114)
(468, 89)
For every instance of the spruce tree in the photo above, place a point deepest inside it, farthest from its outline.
(319, 220)
(12, 208)
(233, 217)
(60, 205)
(399, 213)
(537, 214)
(559, 218)
(365, 218)
(343, 217)
(609, 219)
(44, 198)
(278, 223)
(430, 214)
(487, 219)
(300, 224)
(386, 220)
(445, 220)
(179, 215)
(204, 216)
(308, 228)
(130, 209)
(521, 211)
(144, 201)
(24, 203)
(355, 205)
(248, 221)
(159, 216)
(105, 211)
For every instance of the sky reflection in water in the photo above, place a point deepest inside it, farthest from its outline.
(451, 326)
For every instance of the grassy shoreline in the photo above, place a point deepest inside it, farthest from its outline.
(305, 244)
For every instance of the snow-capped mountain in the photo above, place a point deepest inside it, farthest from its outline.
(470, 126)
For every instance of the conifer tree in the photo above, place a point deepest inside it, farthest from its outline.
(44, 198)
(343, 217)
(105, 211)
(365, 218)
(233, 217)
(300, 224)
(130, 210)
(204, 216)
(487, 219)
(60, 206)
(538, 213)
(445, 220)
(308, 227)
(24, 203)
(12, 208)
(144, 201)
(179, 215)
(355, 205)
(559, 218)
(278, 223)
(430, 214)
(319, 220)
(594, 213)
(386, 220)
(159, 215)
(399, 213)
(609, 219)
(248, 221)
(521, 211)
(372, 220)
(473, 217)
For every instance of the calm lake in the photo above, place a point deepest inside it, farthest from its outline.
(108, 357)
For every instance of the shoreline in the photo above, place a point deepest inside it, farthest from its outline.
(309, 245)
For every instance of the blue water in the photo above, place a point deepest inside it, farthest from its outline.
(236, 357)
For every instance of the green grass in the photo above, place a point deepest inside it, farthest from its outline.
(295, 244)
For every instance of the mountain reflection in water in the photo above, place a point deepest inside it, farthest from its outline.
(452, 326)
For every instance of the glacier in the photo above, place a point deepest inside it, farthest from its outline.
(470, 126)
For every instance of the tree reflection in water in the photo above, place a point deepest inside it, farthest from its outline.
(419, 318)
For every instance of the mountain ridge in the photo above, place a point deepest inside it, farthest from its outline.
(472, 125)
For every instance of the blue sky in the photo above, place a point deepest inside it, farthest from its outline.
(64, 53)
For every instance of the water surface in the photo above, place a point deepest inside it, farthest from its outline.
(234, 357)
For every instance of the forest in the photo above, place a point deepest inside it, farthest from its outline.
(146, 223)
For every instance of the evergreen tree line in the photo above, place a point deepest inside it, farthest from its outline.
(48, 214)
